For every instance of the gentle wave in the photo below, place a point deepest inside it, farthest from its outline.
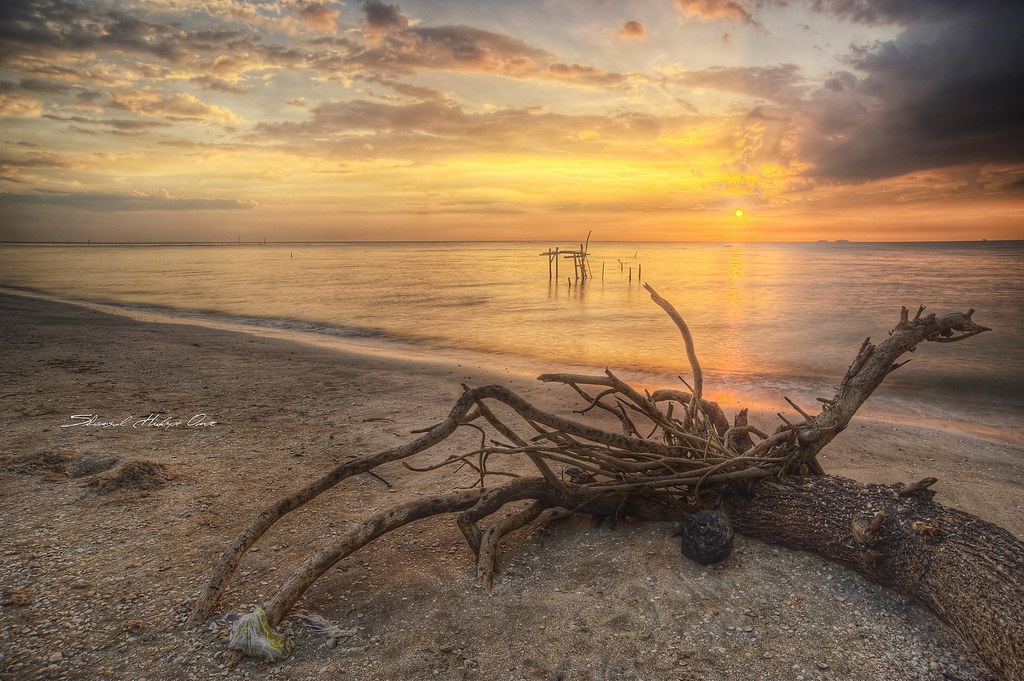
(769, 319)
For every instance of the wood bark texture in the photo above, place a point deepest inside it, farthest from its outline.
(967, 571)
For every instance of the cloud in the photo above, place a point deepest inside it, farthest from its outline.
(54, 27)
(781, 83)
(945, 92)
(414, 92)
(19, 105)
(632, 30)
(208, 82)
(707, 10)
(900, 11)
(435, 129)
(316, 16)
(451, 48)
(115, 126)
(386, 18)
(114, 202)
(581, 74)
(341, 120)
(178, 106)
(64, 26)
(12, 167)
(398, 45)
(37, 85)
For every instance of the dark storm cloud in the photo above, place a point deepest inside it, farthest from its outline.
(904, 11)
(945, 92)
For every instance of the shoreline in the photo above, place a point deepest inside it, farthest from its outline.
(100, 566)
(448, 359)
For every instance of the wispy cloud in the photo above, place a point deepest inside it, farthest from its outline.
(177, 106)
(707, 10)
(208, 82)
(119, 202)
(780, 83)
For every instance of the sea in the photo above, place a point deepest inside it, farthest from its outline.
(769, 320)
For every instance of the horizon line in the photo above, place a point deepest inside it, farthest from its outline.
(265, 242)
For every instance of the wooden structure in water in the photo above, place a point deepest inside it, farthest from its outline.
(580, 263)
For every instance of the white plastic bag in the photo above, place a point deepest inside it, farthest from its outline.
(253, 636)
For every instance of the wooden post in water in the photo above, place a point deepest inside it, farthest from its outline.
(552, 256)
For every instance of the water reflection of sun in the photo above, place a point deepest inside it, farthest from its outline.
(731, 349)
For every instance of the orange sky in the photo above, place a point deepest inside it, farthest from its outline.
(163, 120)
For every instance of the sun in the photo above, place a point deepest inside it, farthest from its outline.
(738, 212)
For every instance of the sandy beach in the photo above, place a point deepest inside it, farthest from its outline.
(132, 451)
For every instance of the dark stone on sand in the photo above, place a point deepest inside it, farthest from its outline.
(707, 537)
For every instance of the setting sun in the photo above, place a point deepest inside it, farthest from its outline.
(739, 213)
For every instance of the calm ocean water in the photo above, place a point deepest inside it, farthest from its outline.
(767, 319)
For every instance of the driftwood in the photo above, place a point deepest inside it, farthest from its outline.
(676, 454)
(967, 571)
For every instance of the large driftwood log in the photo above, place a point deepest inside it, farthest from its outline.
(663, 466)
(967, 571)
